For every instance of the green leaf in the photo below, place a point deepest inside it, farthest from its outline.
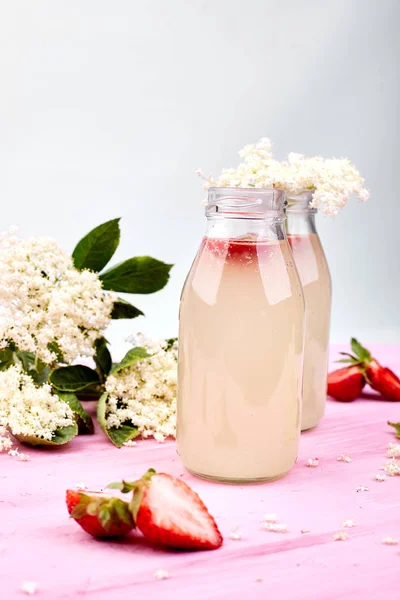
(83, 419)
(118, 435)
(27, 360)
(171, 342)
(124, 310)
(42, 376)
(54, 347)
(362, 353)
(60, 436)
(97, 247)
(131, 357)
(6, 355)
(139, 275)
(74, 378)
(397, 428)
(102, 357)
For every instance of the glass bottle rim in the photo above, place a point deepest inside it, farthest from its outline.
(300, 202)
(246, 203)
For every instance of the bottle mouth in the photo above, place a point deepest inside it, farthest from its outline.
(300, 202)
(246, 203)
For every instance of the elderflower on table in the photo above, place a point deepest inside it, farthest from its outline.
(144, 394)
(44, 299)
(332, 181)
(30, 411)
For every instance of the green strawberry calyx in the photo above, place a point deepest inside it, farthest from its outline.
(137, 487)
(360, 358)
(396, 426)
(108, 510)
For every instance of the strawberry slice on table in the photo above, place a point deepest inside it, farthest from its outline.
(346, 384)
(168, 512)
(381, 379)
(99, 514)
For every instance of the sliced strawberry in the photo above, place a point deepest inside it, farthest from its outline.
(169, 512)
(99, 514)
(383, 380)
(345, 384)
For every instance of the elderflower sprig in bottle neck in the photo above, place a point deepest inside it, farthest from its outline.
(246, 213)
(300, 215)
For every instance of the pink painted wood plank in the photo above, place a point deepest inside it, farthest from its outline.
(38, 542)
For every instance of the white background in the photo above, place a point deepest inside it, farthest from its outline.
(107, 106)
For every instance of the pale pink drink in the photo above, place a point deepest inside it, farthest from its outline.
(314, 274)
(241, 343)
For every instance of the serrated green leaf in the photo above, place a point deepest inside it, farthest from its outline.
(83, 419)
(73, 378)
(131, 357)
(139, 275)
(397, 428)
(102, 357)
(362, 353)
(124, 310)
(95, 250)
(119, 435)
(60, 436)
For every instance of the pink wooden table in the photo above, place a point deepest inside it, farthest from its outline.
(39, 543)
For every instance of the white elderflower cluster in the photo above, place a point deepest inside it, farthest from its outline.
(30, 411)
(332, 181)
(144, 394)
(45, 300)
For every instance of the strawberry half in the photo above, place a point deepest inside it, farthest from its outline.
(346, 384)
(381, 379)
(99, 514)
(169, 512)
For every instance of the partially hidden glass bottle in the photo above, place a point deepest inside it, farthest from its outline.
(314, 274)
(241, 343)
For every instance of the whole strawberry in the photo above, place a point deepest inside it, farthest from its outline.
(381, 379)
(100, 515)
(169, 512)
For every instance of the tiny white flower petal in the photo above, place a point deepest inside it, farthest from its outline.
(129, 444)
(340, 536)
(379, 477)
(275, 527)
(270, 518)
(81, 486)
(393, 450)
(29, 587)
(236, 534)
(389, 541)
(312, 462)
(349, 523)
(161, 574)
(362, 488)
(343, 458)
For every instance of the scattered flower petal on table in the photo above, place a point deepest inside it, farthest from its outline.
(270, 518)
(389, 541)
(379, 477)
(236, 533)
(81, 486)
(340, 536)
(130, 444)
(29, 587)
(161, 574)
(275, 527)
(343, 458)
(349, 523)
(362, 488)
(305, 531)
(392, 468)
(312, 462)
(393, 450)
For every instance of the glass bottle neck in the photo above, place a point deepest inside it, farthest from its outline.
(252, 229)
(301, 222)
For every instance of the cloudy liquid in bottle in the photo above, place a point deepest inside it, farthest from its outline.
(315, 278)
(240, 358)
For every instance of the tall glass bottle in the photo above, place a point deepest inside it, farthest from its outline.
(314, 274)
(241, 343)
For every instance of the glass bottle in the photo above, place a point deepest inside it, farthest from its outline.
(241, 343)
(314, 274)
